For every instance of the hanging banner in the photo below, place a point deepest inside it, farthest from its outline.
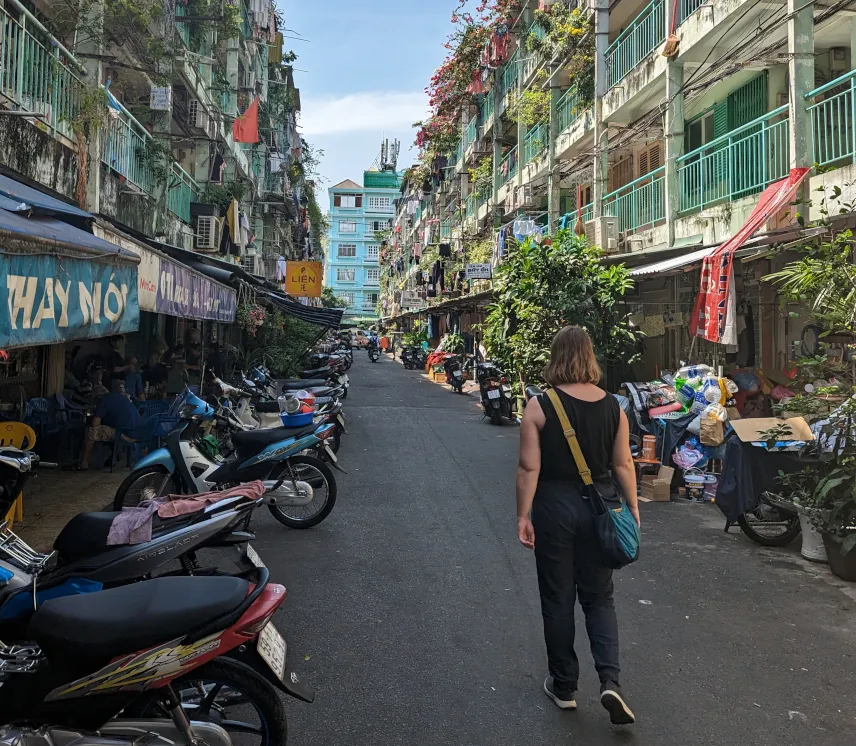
(46, 299)
(711, 308)
(185, 293)
(303, 279)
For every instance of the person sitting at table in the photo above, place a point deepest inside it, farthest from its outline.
(114, 411)
(133, 380)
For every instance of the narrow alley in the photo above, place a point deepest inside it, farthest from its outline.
(414, 610)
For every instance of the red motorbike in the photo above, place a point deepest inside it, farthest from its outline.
(175, 660)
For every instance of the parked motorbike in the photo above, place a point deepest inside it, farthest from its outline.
(170, 660)
(773, 523)
(413, 357)
(453, 366)
(83, 561)
(495, 391)
(301, 490)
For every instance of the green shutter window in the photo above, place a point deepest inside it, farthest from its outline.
(748, 102)
(720, 119)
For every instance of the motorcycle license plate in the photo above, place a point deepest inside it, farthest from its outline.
(253, 557)
(456, 373)
(331, 454)
(273, 649)
(340, 420)
(493, 394)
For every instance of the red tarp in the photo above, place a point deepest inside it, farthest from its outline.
(710, 314)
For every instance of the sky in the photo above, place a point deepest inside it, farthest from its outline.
(362, 74)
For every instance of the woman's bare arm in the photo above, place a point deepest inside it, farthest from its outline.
(528, 468)
(623, 467)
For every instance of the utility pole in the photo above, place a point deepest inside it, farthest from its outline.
(601, 130)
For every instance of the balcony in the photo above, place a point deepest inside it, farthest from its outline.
(445, 230)
(737, 164)
(124, 150)
(832, 132)
(569, 108)
(535, 141)
(487, 107)
(569, 219)
(644, 34)
(182, 190)
(640, 204)
(37, 76)
(507, 168)
(508, 79)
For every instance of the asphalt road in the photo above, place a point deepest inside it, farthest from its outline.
(414, 611)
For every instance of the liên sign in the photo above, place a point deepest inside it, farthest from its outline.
(303, 279)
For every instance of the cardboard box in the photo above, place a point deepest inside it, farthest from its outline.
(658, 487)
(749, 430)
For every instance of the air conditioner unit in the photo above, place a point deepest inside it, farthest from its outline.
(209, 229)
(197, 116)
(607, 236)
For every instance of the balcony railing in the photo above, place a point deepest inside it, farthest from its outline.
(509, 75)
(832, 120)
(471, 133)
(37, 76)
(459, 152)
(507, 168)
(182, 190)
(487, 106)
(535, 141)
(687, 7)
(125, 147)
(445, 229)
(569, 219)
(570, 108)
(737, 164)
(639, 204)
(472, 206)
(645, 33)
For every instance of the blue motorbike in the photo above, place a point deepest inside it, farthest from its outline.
(300, 490)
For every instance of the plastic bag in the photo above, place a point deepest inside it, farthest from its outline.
(694, 371)
(710, 389)
(686, 457)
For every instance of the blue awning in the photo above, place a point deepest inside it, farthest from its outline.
(27, 199)
(38, 230)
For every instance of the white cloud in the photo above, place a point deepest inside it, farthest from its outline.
(368, 111)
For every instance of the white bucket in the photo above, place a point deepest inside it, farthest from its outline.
(812, 541)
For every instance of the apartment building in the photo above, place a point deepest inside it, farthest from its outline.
(360, 221)
(662, 123)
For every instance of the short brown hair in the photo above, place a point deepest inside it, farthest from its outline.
(572, 358)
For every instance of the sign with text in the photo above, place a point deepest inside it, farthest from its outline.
(160, 98)
(411, 298)
(46, 299)
(479, 271)
(303, 279)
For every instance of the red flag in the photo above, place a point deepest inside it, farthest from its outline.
(245, 128)
(711, 308)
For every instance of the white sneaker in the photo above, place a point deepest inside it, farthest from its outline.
(560, 702)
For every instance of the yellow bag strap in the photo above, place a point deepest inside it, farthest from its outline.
(571, 437)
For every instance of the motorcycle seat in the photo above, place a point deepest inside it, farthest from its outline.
(267, 407)
(316, 372)
(295, 384)
(321, 390)
(251, 442)
(101, 626)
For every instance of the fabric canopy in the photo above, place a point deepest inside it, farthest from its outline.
(39, 230)
(27, 199)
(327, 317)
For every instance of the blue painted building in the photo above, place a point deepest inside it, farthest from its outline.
(357, 213)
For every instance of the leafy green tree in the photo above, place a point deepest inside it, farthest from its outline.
(329, 299)
(540, 288)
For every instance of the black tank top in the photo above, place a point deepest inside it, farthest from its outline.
(595, 423)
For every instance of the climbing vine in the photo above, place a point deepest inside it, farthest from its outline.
(90, 118)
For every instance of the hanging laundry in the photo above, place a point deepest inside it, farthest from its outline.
(524, 227)
(217, 167)
(245, 128)
(280, 268)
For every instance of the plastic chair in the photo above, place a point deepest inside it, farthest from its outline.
(153, 406)
(135, 438)
(17, 435)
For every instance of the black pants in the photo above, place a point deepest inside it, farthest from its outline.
(568, 563)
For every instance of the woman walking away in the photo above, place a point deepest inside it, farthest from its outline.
(561, 528)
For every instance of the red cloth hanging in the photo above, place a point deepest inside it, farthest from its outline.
(245, 128)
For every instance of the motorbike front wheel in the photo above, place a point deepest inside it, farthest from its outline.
(145, 484)
(318, 474)
(767, 527)
(231, 695)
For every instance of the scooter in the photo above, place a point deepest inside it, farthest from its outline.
(495, 392)
(169, 661)
(454, 373)
(374, 353)
(271, 455)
